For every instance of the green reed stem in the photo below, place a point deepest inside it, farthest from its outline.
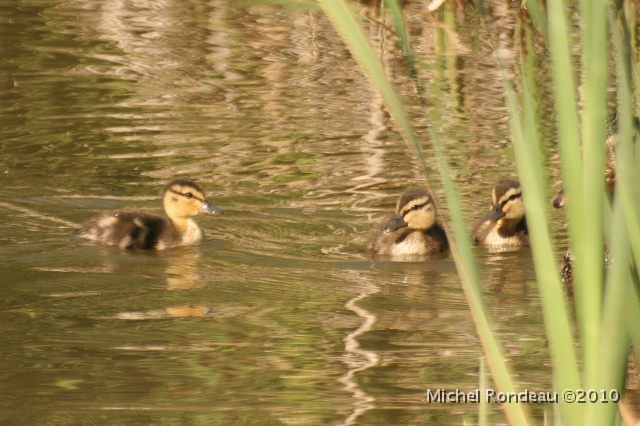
(594, 115)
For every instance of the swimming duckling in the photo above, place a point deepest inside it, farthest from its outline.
(135, 229)
(505, 224)
(412, 229)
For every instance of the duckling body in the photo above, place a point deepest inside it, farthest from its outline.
(136, 229)
(505, 224)
(412, 230)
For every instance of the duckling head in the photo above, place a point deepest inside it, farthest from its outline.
(183, 198)
(415, 210)
(506, 204)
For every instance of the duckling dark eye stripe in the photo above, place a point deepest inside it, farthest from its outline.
(419, 206)
(510, 199)
(184, 195)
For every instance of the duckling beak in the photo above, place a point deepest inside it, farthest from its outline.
(209, 209)
(558, 200)
(494, 214)
(396, 222)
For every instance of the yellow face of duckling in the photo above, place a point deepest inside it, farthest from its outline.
(507, 206)
(415, 210)
(183, 198)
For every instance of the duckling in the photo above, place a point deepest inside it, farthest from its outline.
(505, 224)
(135, 229)
(412, 230)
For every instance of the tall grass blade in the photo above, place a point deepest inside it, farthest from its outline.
(594, 133)
(401, 32)
(564, 95)
(614, 342)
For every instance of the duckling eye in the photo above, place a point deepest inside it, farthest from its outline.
(513, 197)
(188, 195)
(416, 207)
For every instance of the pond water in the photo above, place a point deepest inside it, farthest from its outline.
(281, 316)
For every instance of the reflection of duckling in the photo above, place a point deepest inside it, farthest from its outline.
(505, 224)
(135, 229)
(412, 229)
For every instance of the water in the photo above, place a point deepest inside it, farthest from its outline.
(280, 317)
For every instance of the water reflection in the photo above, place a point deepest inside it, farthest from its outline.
(509, 273)
(363, 401)
(182, 269)
(183, 311)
